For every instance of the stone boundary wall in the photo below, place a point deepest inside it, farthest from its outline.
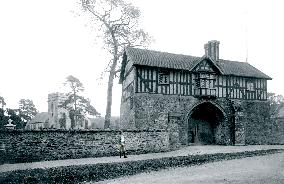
(28, 146)
(259, 129)
(267, 132)
(277, 129)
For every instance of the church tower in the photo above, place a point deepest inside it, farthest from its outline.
(54, 111)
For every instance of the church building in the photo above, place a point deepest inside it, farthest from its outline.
(55, 113)
(198, 100)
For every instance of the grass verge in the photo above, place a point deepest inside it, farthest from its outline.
(103, 171)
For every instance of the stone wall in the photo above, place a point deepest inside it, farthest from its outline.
(126, 105)
(127, 114)
(27, 146)
(151, 111)
(276, 129)
(245, 121)
(171, 112)
(259, 129)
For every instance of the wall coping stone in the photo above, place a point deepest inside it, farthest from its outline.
(82, 131)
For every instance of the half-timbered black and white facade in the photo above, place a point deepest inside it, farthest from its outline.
(197, 99)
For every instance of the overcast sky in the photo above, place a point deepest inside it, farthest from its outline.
(44, 41)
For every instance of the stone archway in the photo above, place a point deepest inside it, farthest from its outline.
(207, 124)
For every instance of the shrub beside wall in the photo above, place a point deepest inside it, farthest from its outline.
(103, 171)
(29, 146)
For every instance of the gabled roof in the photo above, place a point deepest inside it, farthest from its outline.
(210, 60)
(145, 57)
(98, 122)
(241, 69)
(160, 59)
(39, 118)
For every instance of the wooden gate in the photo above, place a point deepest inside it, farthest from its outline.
(200, 132)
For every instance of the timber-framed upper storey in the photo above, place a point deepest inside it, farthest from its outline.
(147, 71)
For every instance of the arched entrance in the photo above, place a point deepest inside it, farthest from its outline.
(206, 124)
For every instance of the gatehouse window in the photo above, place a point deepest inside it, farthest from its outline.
(164, 78)
(250, 86)
(204, 84)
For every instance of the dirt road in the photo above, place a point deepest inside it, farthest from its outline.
(260, 170)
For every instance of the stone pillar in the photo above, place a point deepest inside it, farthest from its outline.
(10, 126)
(240, 122)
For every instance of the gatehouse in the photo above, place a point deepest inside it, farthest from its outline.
(198, 100)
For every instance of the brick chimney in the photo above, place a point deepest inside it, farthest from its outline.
(212, 49)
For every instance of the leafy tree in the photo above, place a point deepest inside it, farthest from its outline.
(118, 25)
(17, 120)
(62, 121)
(27, 109)
(276, 103)
(19, 116)
(12, 114)
(77, 105)
(3, 118)
(76, 86)
(72, 118)
(2, 102)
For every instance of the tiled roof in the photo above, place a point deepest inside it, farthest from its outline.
(39, 118)
(241, 69)
(98, 122)
(160, 59)
(185, 62)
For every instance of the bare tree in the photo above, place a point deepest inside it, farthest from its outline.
(118, 23)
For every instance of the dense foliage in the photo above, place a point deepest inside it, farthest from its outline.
(276, 104)
(77, 105)
(20, 116)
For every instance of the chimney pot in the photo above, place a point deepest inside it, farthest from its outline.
(212, 49)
